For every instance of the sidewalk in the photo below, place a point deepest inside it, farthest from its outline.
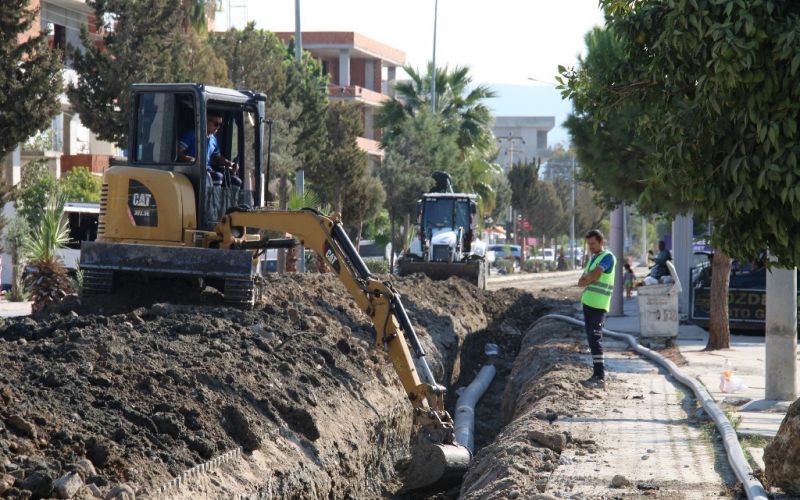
(756, 415)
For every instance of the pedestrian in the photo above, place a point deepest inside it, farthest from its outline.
(598, 283)
(628, 278)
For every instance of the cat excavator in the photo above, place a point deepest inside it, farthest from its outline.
(161, 216)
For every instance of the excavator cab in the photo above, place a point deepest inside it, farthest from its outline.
(170, 131)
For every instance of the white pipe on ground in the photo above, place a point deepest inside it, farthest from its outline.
(753, 488)
(464, 425)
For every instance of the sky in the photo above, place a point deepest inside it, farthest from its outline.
(504, 42)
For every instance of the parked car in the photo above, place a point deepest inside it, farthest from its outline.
(747, 293)
(502, 252)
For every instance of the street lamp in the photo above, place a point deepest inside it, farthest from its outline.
(433, 63)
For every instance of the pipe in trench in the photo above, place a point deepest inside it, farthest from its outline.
(752, 488)
(464, 424)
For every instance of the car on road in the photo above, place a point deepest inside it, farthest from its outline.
(502, 252)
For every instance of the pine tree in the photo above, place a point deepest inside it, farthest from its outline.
(344, 162)
(142, 43)
(30, 77)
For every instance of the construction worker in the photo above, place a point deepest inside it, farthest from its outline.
(598, 283)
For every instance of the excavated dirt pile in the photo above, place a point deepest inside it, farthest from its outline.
(543, 384)
(162, 391)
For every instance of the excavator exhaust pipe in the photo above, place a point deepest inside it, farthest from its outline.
(436, 467)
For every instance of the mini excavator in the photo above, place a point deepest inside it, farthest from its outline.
(164, 215)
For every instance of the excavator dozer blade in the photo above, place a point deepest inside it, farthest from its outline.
(101, 262)
(436, 467)
(473, 271)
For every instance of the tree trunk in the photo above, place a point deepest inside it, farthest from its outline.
(406, 229)
(392, 239)
(358, 235)
(719, 334)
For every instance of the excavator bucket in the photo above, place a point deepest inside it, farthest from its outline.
(435, 467)
(474, 271)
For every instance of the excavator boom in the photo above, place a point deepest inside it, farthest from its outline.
(437, 460)
(227, 254)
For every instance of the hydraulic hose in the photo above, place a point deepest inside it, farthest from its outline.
(753, 489)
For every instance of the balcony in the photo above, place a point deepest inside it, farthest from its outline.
(355, 92)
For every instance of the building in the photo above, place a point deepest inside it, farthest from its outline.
(361, 70)
(522, 138)
(67, 143)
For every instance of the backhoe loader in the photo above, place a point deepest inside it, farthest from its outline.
(160, 216)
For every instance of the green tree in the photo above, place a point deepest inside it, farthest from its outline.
(140, 45)
(80, 185)
(30, 77)
(345, 163)
(523, 178)
(35, 191)
(460, 104)
(307, 86)
(362, 203)
(546, 213)
(716, 83)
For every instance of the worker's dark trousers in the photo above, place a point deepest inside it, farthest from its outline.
(594, 320)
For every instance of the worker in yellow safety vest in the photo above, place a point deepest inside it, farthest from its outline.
(598, 283)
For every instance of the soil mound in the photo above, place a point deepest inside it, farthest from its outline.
(160, 379)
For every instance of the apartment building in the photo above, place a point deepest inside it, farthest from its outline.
(66, 143)
(361, 70)
(522, 138)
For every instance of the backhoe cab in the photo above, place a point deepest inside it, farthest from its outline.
(160, 216)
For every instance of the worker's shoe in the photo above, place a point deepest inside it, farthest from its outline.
(595, 383)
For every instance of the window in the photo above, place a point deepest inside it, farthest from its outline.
(160, 117)
(541, 139)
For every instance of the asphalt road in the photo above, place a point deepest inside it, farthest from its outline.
(535, 281)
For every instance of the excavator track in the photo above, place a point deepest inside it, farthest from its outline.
(98, 281)
(240, 292)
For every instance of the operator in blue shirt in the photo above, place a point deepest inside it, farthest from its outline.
(215, 162)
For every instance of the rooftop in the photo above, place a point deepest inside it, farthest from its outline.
(329, 43)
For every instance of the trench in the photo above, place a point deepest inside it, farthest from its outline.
(179, 396)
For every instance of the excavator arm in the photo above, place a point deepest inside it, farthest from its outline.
(439, 455)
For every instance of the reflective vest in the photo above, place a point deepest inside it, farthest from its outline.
(598, 294)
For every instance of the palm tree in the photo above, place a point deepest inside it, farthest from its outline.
(48, 281)
(481, 179)
(462, 108)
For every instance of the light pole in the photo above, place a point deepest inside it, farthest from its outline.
(510, 153)
(572, 221)
(433, 63)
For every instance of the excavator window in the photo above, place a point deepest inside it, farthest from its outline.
(160, 117)
(235, 188)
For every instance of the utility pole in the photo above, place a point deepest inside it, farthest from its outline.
(433, 69)
(572, 220)
(617, 236)
(781, 334)
(300, 174)
(298, 35)
(510, 163)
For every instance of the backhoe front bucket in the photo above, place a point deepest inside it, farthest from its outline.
(473, 271)
(436, 467)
